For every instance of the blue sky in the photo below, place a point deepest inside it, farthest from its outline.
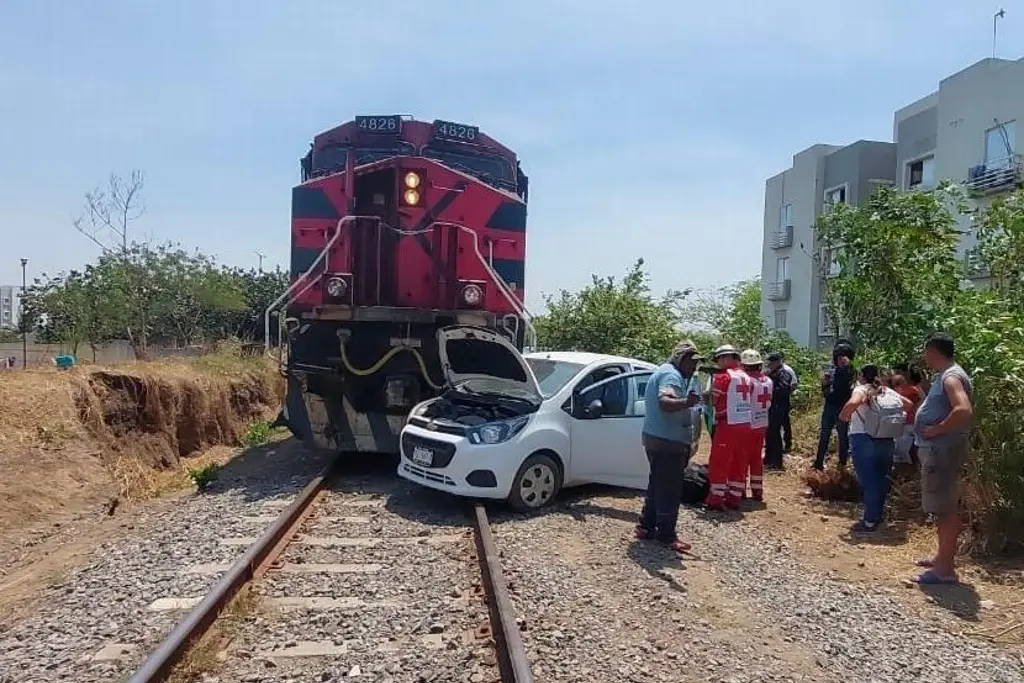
(647, 128)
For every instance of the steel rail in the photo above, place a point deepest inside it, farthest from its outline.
(512, 659)
(159, 665)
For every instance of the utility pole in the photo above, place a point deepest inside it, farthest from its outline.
(261, 256)
(995, 28)
(21, 314)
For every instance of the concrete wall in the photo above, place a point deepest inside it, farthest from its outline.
(114, 352)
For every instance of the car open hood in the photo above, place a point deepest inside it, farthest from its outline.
(476, 353)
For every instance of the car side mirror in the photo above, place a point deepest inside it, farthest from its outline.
(595, 408)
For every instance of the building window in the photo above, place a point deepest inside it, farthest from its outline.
(782, 269)
(830, 261)
(835, 196)
(785, 216)
(780, 320)
(824, 323)
(921, 174)
(1000, 145)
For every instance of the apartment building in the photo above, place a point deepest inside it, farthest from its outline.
(965, 131)
(9, 302)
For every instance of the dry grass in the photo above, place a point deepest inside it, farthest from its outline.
(93, 437)
(203, 657)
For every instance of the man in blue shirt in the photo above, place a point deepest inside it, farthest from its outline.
(672, 392)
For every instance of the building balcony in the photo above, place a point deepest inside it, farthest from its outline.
(974, 267)
(783, 238)
(997, 176)
(778, 291)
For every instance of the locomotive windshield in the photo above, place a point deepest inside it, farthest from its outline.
(490, 168)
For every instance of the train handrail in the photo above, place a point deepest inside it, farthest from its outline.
(518, 306)
(291, 295)
(299, 280)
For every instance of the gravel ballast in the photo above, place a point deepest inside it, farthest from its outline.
(419, 611)
(103, 606)
(601, 606)
(595, 604)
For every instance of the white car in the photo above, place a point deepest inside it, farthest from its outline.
(521, 428)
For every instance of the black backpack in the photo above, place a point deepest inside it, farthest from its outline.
(695, 484)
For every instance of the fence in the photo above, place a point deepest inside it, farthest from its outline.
(109, 353)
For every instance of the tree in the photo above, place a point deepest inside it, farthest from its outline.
(899, 272)
(110, 213)
(614, 317)
(1001, 246)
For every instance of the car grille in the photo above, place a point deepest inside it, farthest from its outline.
(422, 473)
(446, 428)
(443, 451)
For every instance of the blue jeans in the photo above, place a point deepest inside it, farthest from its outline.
(872, 460)
(830, 421)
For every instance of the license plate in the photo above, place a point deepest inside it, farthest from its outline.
(422, 456)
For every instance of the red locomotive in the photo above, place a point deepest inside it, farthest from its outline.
(399, 228)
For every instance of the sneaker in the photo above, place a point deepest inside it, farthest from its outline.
(863, 527)
(643, 534)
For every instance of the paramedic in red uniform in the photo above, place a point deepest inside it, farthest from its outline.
(761, 401)
(731, 391)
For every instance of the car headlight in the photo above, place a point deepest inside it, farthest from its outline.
(497, 432)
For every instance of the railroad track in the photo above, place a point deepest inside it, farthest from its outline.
(355, 577)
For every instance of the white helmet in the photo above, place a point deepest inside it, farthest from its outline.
(725, 350)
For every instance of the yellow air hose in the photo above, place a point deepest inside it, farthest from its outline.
(384, 359)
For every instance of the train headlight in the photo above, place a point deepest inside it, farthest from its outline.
(412, 180)
(337, 287)
(412, 197)
(472, 295)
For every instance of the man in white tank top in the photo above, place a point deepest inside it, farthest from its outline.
(731, 395)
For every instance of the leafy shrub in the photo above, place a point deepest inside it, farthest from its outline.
(202, 477)
(257, 434)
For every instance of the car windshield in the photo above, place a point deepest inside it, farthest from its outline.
(552, 375)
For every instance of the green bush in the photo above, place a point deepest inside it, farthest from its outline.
(901, 279)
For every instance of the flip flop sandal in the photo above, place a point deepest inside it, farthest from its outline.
(930, 578)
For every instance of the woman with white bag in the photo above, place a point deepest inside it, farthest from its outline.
(877, 418)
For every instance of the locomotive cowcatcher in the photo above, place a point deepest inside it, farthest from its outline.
(399, 229)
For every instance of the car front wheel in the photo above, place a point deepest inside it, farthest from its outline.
(536, 484)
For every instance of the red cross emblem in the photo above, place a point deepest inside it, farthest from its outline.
(745, 389)
(764, 398)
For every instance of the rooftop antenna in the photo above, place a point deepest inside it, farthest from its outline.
(995, 28)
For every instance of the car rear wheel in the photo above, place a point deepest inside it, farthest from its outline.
(536, 484)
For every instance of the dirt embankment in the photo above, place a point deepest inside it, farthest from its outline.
(92, 438)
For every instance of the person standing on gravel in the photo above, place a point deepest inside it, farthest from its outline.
(731, 395)
(942, 429)
(672, 392)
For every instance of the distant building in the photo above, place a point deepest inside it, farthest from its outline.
(10, 296)
(964, 131)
